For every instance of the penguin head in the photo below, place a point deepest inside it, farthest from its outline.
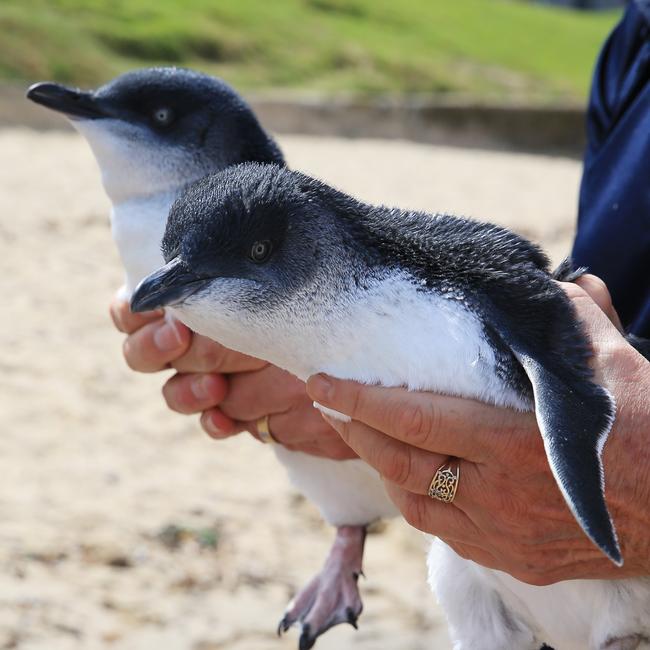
(251, 245)
(158, 129)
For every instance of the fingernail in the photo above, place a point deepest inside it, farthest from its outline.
(321, 388)
(167, 337)
(201, 386)
(212, 428)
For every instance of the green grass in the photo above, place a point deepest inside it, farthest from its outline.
(488, 49)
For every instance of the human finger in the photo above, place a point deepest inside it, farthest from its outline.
(408, 467)
(126, 321)
(446, 425)
(599, 293)
(219, 426)
(194, 392)
(434, 517)
(206, 355)
(155, 345)
(269, 390)
(304, 429)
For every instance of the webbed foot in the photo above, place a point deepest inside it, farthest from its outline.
(332, 597)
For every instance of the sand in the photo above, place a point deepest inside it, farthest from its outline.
(122, 525)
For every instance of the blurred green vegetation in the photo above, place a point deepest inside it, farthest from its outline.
(487, 49)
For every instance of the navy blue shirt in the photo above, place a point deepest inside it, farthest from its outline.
(613, 238)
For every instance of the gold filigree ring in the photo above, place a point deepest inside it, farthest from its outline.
(445, 482)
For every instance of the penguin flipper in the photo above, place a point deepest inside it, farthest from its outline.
(575, 416)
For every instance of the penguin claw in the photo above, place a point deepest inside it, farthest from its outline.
(332, 597)
(284, 625)
(352, 618)
(306, 640)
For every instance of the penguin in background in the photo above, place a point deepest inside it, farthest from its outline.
(154, 131)
(280, 266)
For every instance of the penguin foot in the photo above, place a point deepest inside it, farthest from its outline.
(332, 597)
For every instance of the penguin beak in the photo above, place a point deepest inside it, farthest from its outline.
(168, 286)
(74, 103)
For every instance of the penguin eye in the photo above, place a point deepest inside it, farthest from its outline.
(260, 251)
(163, 116)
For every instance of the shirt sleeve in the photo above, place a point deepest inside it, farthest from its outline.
(613, 238)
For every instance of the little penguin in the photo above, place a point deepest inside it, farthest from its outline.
(281, 266)
(153, 131)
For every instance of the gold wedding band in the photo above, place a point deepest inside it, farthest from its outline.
(445, 482)
(263, 430)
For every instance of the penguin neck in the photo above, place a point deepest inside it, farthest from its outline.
(134, 164)
(121, 189)
(138, 225)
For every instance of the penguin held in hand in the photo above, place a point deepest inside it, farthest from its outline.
(280, 266)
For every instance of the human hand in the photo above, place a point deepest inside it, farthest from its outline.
(232, 391)
(292, 419)
(508, 512)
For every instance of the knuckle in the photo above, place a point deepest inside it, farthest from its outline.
(596, 283)
(210, 355)
(128, 352)
(294, 387)
(397, 467)
(140, 354)
(114, 313)
(591, 286)
(599, 292)
(173, 396)
(416, 423)
(356, 401)
(168, 394)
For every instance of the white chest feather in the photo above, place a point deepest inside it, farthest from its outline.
(396, 335)
(138, 225)
(390, 333)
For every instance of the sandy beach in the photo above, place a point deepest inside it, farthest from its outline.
(123, 526)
